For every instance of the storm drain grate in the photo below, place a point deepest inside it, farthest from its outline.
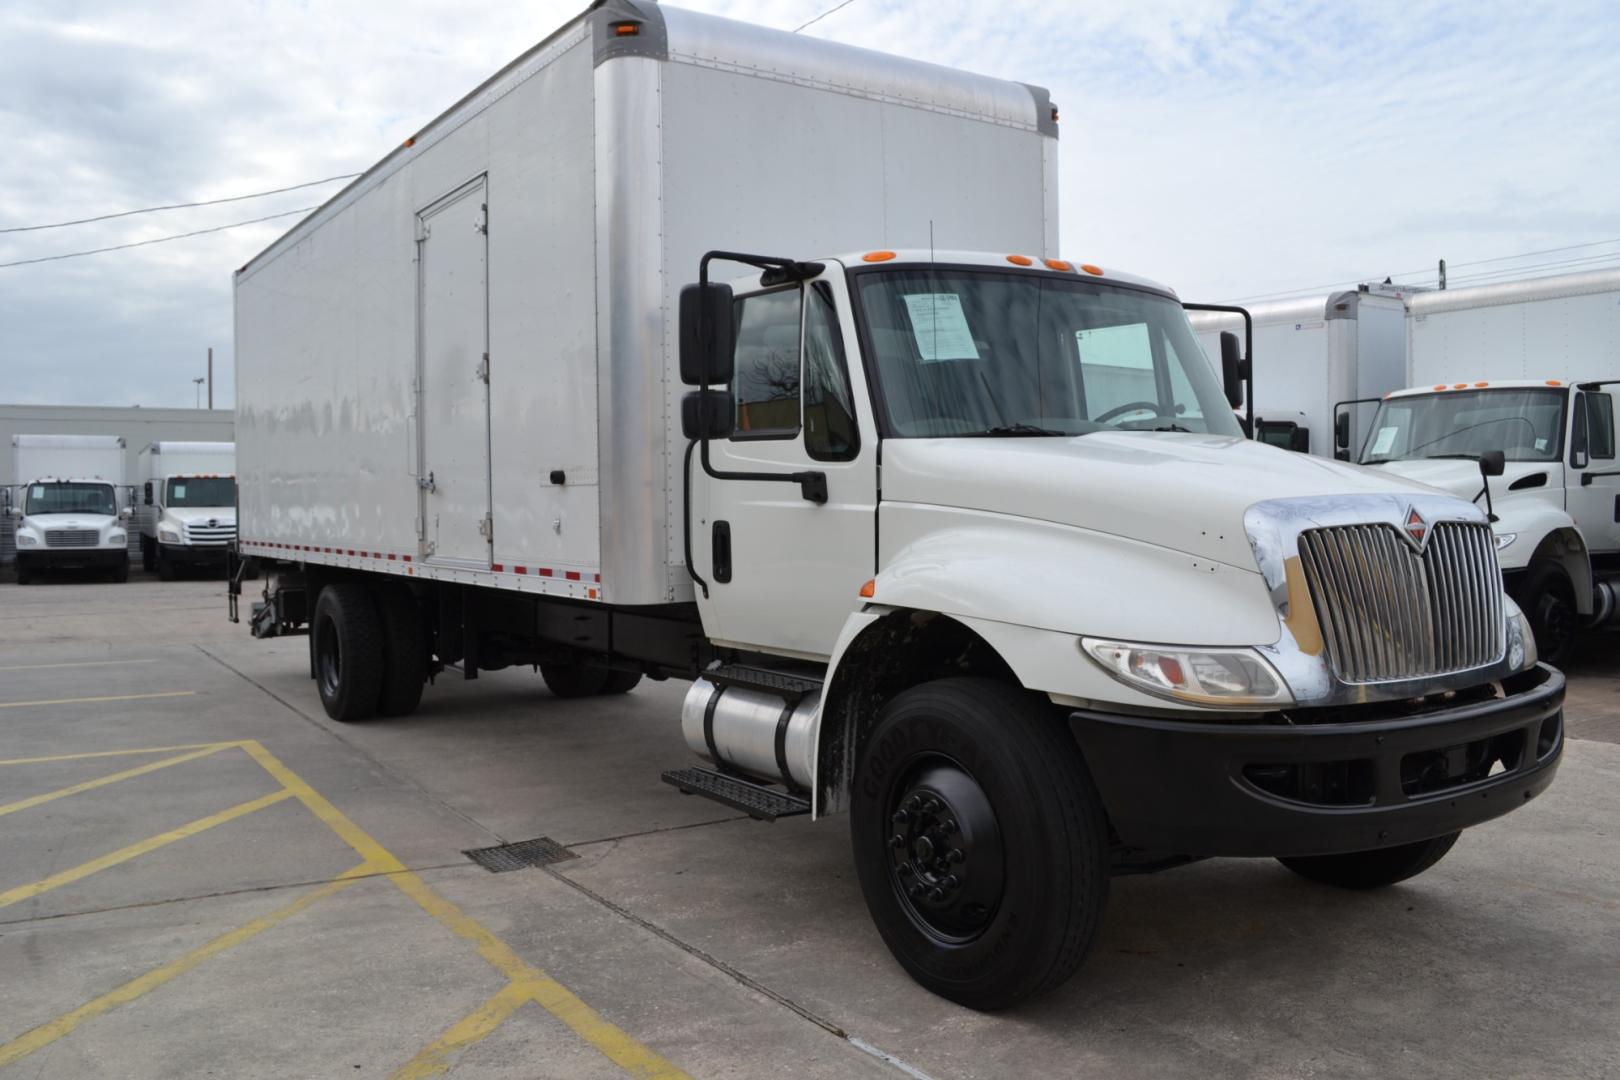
(541, 852)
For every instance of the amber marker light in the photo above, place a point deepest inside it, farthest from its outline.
(1442, 386)
(877, 256)
(627, 29)
(869, 589)
(410, 142)
(1059, 264)
(1021, 260)
(1092, 268)
(1480, 384)
(1459, 386)
(1554, 382)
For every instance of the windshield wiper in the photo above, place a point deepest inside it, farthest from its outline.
(1175, 427)
(1020, 429)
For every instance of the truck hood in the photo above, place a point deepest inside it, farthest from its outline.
(1186, 492)
(1461, 478)
(70, 521)
(200, 515)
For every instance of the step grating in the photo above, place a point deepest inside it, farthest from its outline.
(755, 800)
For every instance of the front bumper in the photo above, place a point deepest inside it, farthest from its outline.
(46, 558)
(1212, 788)
(194, 554)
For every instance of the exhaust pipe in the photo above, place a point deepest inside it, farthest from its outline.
(751, 732)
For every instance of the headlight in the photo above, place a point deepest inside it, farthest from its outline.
(1521, 643)
(1229, 678)
(117, 536)
(1504, 539)
(24, 540)
(168, 536)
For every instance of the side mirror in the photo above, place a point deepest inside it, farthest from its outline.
(1232, 368)
(1492, 463)
(1341, 431)
(124, 514)
(706, 359)
(706, 414)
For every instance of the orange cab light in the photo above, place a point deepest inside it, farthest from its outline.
(1092, 268)
(1460, 386)
(627, 29)
(1554, 382)
(869, 588)
(1442, 386)
(410, 142)
(877, 256)
(1482, 384)
(1021, 260)
(1059, 264)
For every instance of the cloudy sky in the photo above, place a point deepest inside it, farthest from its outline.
(1229, 149)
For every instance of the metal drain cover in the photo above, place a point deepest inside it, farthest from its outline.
(525, 853)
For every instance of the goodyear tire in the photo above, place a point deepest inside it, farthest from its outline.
(980, 841)
(404, 648)
(348, 652)
(1373, 869)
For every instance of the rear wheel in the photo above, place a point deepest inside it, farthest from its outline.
(1373, 869)
(348, 652)
(404, 651)
(1548, 600)
(120, 573)
(980, 841)
(620, 682)
(574, 680)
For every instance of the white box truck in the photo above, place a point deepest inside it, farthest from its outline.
(187, 505)
(69, 507)
(1312, 354)
(965, 544)
(1525, 368)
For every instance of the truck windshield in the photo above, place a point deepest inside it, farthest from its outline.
(70, 498)
(965, 352)
(201, 491)
(1525, 424)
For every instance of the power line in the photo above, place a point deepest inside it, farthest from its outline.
(176, 206)
(156, 240)
(823, 15)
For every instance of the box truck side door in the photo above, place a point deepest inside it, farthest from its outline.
(453, 384)
(1592, 493)
(784, 572)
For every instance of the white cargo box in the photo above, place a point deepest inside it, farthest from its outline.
(464, 365)
(171, 457)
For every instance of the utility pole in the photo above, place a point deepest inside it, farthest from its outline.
(197, 382)
(210, 377)
(1442, 273)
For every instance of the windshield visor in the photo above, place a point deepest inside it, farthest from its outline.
(963, 352)
(1525, 424)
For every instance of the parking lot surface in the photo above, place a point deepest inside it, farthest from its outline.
(202, 875)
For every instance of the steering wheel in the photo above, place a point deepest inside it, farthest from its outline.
(1128, 407)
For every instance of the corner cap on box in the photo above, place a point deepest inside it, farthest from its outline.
(628, 28)
(1046, 113)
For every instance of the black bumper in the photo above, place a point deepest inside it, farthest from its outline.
(1210, 788)
(193, 554)
(43, 558)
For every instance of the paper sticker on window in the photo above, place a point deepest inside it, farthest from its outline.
(39, 492)
(1384, 440)
(1541, 445)
(940, 327)
(179, 491)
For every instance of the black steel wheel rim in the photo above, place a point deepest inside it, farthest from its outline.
(1557, 619)
(946, 862)
(328, 659)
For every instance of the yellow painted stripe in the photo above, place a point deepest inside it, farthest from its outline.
(84, 870)
(88, 700)
(91, 785)
(434, 1060)
(117, 753)
(76, 663)
(49, 1032)
(554, 997)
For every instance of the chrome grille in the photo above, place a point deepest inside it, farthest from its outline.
(210, 534)
(71, 538)
(1389, 612)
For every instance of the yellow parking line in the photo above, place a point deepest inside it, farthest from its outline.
(49, 1032)
(117, 753)
(87, 700)
(435, 1060)
(89, 785)
(84, 870)
(530, 982)
(76, 663)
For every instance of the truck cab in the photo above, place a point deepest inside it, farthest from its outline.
(70, 523)
(1556, 505)
(188, 505)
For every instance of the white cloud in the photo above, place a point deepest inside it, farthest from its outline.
(1227, 148)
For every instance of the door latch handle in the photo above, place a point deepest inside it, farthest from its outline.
(426, 483)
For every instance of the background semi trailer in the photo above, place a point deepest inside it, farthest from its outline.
(503, 402)
(187, 501)
(69, 507)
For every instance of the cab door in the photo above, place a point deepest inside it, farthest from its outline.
(1592, 490)
(784, 572)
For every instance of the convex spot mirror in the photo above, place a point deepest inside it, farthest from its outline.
(706, 414)
(1232, 368)
(1341, 431)
(706, 334)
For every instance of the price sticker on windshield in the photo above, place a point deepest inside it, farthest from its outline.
(940, 327)
(1384, 440)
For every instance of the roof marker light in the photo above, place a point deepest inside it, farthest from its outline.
(1059, 264)
(1479, 384)
(410, 142)
(1092, 268)
(1459, 386)
(1554, 382)
(877, 256)
(1442, 386)
(627, 29)
(1021, 260)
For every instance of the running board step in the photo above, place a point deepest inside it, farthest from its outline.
(756, 800)
(790, 688)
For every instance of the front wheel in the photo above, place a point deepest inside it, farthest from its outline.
(980, 841)
(120, 573)
(1372, 869)
(1548, 600)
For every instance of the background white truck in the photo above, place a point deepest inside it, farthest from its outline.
(187, 504)
(69, 507)
(497, 406)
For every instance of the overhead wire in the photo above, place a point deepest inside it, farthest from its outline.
(177, 206)
(830, 11)
(155, 240)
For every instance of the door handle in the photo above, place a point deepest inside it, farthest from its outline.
(426, 483)
(720, 548)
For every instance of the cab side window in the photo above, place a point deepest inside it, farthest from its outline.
(829, 410)
(1598, 415)
(765, 386)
